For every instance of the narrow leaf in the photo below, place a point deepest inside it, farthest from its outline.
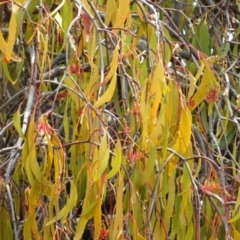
(122, 14)
(118, 225)
(116, 161)
(113, 66)
(107, 96)
(71, 201)
(17, 123)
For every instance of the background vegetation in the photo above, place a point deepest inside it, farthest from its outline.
(119, 119)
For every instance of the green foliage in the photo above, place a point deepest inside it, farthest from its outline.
(119, 120)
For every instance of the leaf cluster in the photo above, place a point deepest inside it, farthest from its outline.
(119, 119)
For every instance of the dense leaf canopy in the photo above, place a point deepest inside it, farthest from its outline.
(119, 119)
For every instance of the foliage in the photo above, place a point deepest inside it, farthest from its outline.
(119, 119)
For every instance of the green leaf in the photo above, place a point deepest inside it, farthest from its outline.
(66, 122)
(17, 123)
(6, 232)
(201, 39)
(81, 226)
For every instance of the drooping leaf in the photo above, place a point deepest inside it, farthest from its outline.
(118, 224)
(67, 15)
(208, 89)
(113, 65)
(97, 216)
(116, 161)
(81, 226)
(201, 39)
(5, 224)
(122, 14)
(149, 170)
(71, 201)
(111, 7)
(17, 123)
(6, 47)
(183, 136)
(107, 96)
(102, 159)
(30, 227)
(157, 86)
(170, 202)
(236, 234)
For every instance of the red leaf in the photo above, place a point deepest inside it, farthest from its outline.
(62, 95)
(75, 68)
(87, 24)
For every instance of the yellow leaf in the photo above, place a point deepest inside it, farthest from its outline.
(200, 70)
(144, 111)
(97, 215)
(236, 234)
(103, 158)
(87, 208)
(171, 202)
(235, 218)
(69, 82)
(47, 186)
(30, 226)
(208, 82)
(3, 44)
(173, 106)
(107, 96)
(140, 12)
(156, 132)
(212, 238)
(184, 130)
(122, 14)
(116, 161)
(165, 134)
(113, 66)
(118, 221)
(28, 145)
(89, 90)
(44, 41)
(156, 89)
(149, 170)
(110, 10)
(7, 47)
(81, 226)
(192, 86)
(182, 137)
(71, 201)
